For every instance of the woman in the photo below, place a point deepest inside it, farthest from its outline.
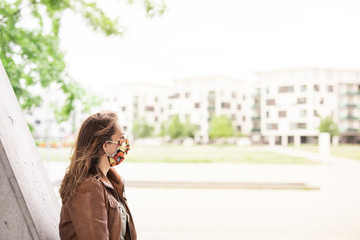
(92, 192)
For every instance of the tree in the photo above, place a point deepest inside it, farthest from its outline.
(141, 129)
(31, 55)
(175, 129)
(221, 126)
(188, 129)
(327, 124)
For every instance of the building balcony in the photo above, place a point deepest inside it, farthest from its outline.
(255, 106)
(350, 93)
(254, 95)
(350, 117)
(211, 108)
(255, 130)
(350, 105)
(256, 118)
(354, 130)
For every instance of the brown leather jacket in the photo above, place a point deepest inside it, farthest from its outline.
(92, 212)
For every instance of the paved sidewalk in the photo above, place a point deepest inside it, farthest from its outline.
(199, 213)
(247, 176)
(312, 156)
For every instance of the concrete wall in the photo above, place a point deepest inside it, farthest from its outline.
(29, 208)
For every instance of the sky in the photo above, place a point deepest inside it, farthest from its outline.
(213, 37)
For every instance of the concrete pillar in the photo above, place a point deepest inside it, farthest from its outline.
(297, 140)
(284, 141)
(271, 140)
(29, 208)
(324, 145)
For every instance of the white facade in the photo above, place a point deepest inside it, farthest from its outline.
(293, 102)
(199, 99)
(138, 100)
(43, 118)
(282, 106)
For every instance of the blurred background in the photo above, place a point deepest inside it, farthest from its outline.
(243, 116)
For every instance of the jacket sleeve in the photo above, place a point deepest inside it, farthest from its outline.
(89, 212)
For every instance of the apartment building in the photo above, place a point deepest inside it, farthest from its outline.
(138, 100)
(194, 99)
(279, 107)
(293, 101)
(198, 99)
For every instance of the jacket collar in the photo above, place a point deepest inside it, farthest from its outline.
(115, 179)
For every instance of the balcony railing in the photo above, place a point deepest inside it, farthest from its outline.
(350, 117)
(255, 106)
(255, 130)
(351, 93)
(349, 105)
(256, 118)
(355, 130)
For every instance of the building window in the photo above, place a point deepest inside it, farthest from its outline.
(238, 128)
(316, 88)
(271, 126)
(267, 114)
(330, 88)
(301, 100)
(156, 99)
(282, 114)
(285, 89)
(233, 95)
(270, 102)
(123, 109)
(303, 88)
(37, 122)
(303, 113)
(176, 95)
(233, 117)
(156, 119)
(170, 106)
(297, 125)
(267, 90)
(316, 113)
(187, 95)
(244, 97)
(322, 101)
(225, 105)
(244, 118)
(197, 105)
(149, 108)
(238, 107)
(301, 126)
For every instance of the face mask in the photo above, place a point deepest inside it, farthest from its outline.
(121, 151)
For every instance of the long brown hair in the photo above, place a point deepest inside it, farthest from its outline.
(94, 131)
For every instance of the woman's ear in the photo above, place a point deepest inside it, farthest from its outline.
(104, 147)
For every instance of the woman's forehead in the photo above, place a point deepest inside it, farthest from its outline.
(119, 130)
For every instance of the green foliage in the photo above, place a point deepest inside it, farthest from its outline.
(141, 129)
(188, 129)
(328, 125)
(31, 55)
(221, 126)
(175, 129)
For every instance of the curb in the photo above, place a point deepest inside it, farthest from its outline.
(221, 185)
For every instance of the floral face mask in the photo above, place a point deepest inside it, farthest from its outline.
(121, 151)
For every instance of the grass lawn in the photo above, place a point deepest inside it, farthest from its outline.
(346, 151)
(192, 154)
